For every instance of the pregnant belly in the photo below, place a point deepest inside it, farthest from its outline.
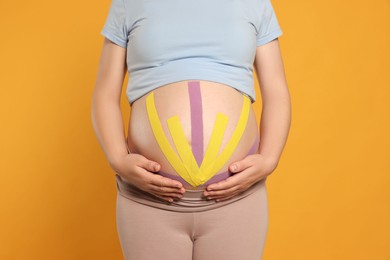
(194, 129)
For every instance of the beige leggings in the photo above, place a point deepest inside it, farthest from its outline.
(150, 228)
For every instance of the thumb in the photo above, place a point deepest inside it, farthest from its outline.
(150, 165)
(238, 166)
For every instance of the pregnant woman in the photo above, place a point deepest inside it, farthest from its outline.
(191, 173)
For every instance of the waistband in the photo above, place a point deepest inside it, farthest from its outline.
(192, 200)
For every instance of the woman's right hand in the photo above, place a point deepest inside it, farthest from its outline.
(137, 170)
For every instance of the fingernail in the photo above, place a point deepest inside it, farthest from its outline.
(210, 188)
(234, 168)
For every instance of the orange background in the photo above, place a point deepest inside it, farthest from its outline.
(329, 197)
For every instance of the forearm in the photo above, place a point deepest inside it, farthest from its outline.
(274, 124)
(108, 126)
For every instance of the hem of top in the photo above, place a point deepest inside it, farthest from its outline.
(269, 37)
(114, 38)
(250, 91)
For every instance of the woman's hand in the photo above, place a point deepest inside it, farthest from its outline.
(248, 171)
(137, 170)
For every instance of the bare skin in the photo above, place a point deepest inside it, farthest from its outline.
(274, 126)
(108, 125)
(138, 170)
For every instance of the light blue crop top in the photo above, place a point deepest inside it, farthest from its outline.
(174, 40)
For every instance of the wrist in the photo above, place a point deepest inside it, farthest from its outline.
(271, 162)
(116, 162)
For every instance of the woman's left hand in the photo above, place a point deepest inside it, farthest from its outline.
(247, 172)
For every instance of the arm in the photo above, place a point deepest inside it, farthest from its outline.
(276, 104)
(106, 114)
(108, 126)
(274, 126)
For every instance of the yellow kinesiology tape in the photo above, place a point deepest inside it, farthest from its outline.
(184, 162)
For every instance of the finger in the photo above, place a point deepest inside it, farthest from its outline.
(224, 192)
(171, 195)
(162, 181)
(169, 199)
(224, 184)
(147, 164)
(226, 198)
(164, 190)
(241, 165)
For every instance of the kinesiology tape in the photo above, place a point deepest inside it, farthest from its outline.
(190, 163)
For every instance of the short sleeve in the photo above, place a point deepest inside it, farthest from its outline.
(115, 28)
(269, 28)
